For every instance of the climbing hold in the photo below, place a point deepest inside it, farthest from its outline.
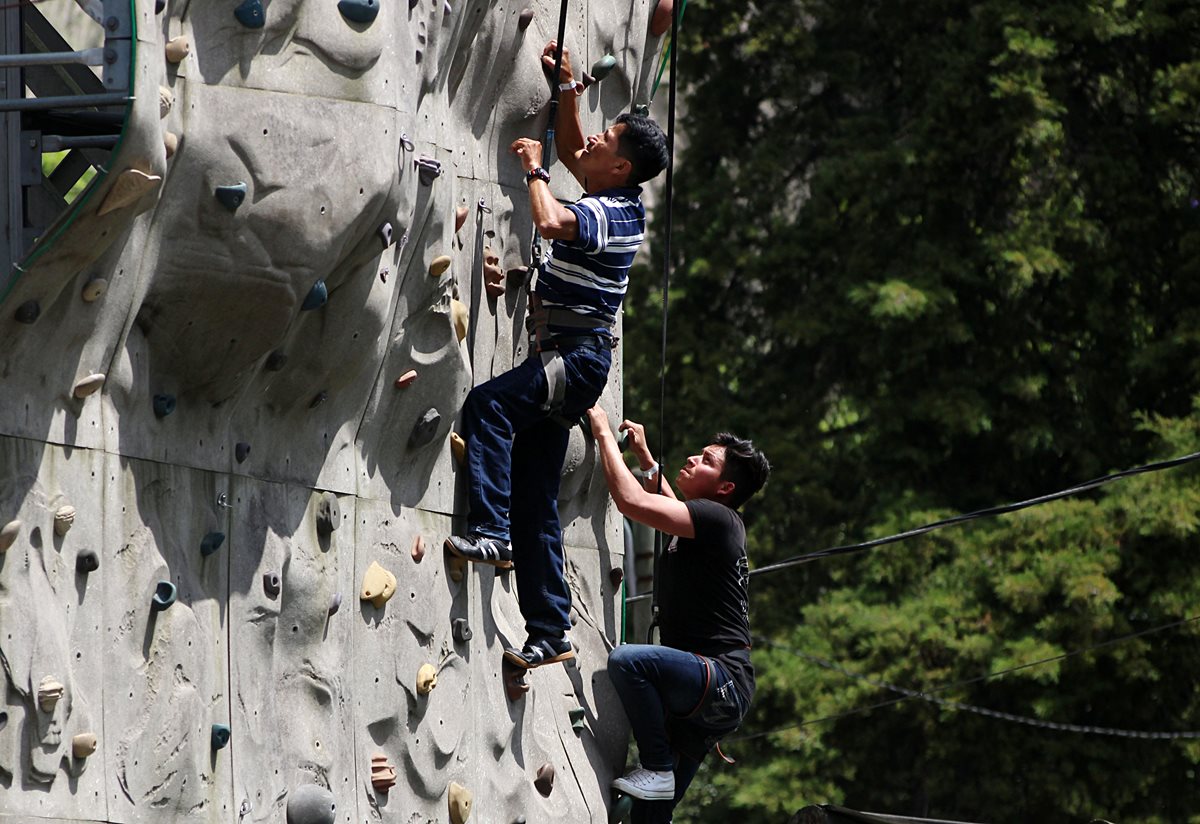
(129, 187)
(359, 11)
(159, 5)
(642, 109)
(250, 14)
(232, 196)
(460, 803)
(425, 430)
(428, 169)
(515, 685)
(49, 691)
(241, 451)
(615, 576)
(460, 317)
(271, 584)
(83, 745)
(383, 274)
(462, 630)
(458, 568)
(170, 143)
(220, 736)
(518, 275)
(378, 586)
(178, 48)
(524, 19)
(310, 804)
(406, 144)
(586, 79)
(383, 774)
(166, 101)
(329, 514)
(94, 289)
(275, 361)
(439, 265)
(85, 386)
(9, 534)
(446, 7)
(577, 716)
(406, 379)
(28, 312)
(164, 595)
(87, 561)
(660, 21)
(418, 549)
(545, 779)
(426, 679)
(493, 275)
(318, 399)
(335, 603)
(163, 405)
(211, 543)
(603, 67)
(458, 448)
(621, 810)
(317, 296)
(460, 217)
(385, 234)
(64, 519)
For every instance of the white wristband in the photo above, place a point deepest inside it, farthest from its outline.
(566, 87)
(649, 474)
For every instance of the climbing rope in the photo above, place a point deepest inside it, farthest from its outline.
(535, 246)
(669, 51)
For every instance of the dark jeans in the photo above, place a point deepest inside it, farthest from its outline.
(654, 682)
(515, 455)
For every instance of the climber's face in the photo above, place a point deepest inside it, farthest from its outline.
(601, 160)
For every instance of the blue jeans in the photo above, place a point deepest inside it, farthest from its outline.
(654, 682)
(513, 445)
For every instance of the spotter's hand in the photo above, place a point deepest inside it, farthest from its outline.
(598, 418)
(530, 152)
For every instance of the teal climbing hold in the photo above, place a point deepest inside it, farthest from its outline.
(231, 196)
(28, 312)
(577, 716)
(359, 11)
(603, 67)
(164, 595)
(317, 296)
(642, 109)
(211, 543)
(220, 736)
(621, 810)
(163, 405)
(250, 14)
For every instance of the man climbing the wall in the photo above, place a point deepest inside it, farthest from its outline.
(516, 426)
(684, 696)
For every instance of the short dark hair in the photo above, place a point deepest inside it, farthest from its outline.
(745, 466)
(644, 145)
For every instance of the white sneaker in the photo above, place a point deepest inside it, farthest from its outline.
(648, 785)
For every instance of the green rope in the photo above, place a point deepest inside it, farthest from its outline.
(666, 55)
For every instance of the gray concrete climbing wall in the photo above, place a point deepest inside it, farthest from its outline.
(206, 453)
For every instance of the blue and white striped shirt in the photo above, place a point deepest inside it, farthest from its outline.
(589, 275)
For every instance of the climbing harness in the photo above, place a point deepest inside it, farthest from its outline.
(549, 345)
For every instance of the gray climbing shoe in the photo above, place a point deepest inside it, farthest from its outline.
(540, 651)
(481, 550)
(648, 785)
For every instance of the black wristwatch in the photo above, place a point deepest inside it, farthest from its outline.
(536, 172)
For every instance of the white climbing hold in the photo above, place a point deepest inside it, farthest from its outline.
(64, 519)
(129, 188)
(379, 585)
(8, 534)
(50, 690)
(178, 48)
(88, 385)
(170, 143)
(166, 101)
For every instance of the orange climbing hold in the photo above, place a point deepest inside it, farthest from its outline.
(406, 379)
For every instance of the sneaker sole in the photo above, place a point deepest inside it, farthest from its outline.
(517, 661)
(622, 786)
(499, 564)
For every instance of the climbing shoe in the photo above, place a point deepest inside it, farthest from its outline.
(539, 651)
(648, 785)
(481, 550)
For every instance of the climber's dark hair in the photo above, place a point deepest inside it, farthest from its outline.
(746, 466)
(644, 145)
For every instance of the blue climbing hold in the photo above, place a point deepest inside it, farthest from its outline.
(163, 405)
(159, 5)
(603, 67)
(250, 14)
(359, 11)
(220, 736)
(231, 196)
(164, 596)
(211, 543)
(317, 296)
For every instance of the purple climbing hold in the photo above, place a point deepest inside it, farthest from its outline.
(163, 405)
(428, 169)
(211, 543)
(87, 561)
(250, 14)
(28, 312)
(359, 11)
(271, 584)
(385, 234)
(241, 451)
(231, 196)
(317, 296)
(275, 361)
(164, 595)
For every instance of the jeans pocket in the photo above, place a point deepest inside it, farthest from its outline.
(587, 375)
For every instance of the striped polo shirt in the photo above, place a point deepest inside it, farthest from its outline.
(589, 275)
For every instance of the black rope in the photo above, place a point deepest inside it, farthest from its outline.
(535, 246)
(971, 516)
(668, 197)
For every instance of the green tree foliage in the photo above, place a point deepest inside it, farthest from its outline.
(934, 256)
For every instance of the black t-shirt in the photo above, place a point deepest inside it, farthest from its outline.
(704, 595)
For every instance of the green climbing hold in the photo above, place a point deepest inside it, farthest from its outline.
(220, 736)
(211, 543)
(621, 810)
(359, 11)
(603, 67)
(164, 595)
(250, 14)
(317, 296)
(577, 716)
(231, 196)
(163, 405)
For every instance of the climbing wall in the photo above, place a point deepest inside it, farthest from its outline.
(230, 378)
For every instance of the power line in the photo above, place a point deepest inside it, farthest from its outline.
(928, 694)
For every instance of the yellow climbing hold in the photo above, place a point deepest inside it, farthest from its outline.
(439, 265)
(426, 679)
(458, 447)
(378, 585)
(129, 188)
(460, 317)
(460, 803)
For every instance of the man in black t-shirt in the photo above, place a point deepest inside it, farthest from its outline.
(683, 696)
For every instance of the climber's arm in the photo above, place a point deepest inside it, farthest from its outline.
(568, 130)
(553, 220)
